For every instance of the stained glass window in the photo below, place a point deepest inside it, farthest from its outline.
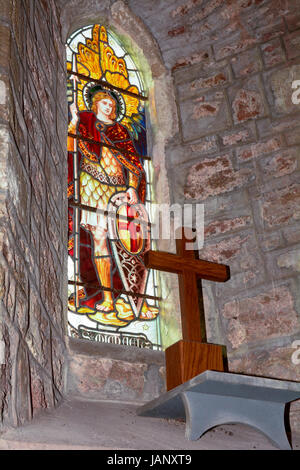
(112, 296)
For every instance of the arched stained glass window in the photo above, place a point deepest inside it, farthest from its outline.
(112, 297)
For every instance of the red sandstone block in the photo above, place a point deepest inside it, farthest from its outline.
(204, 81)
(272, 53)
(91, 376)
(205, 109)
(176, 31)
(271, 31)
(204, 114)
(198, 57)
(207, 145)
(292, 44)
(275, 361)
(269, 314)
(261, 148)
(247, 63)
(198, 13)
(182, 10)
(270, 241)
(247, 105)
(293, 21)
(231, 48)
(225, 251)
(282, 164)
(233, 139)
(219, 227)
(247, 100)
(240, 251)
(232, 9)
(292, 235)
(209, 82)
(281, 206)
(238, 136)
(267, 127)
(214, 176)
(293, 136)
(286, 262)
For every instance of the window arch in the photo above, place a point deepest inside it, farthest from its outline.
(112, 297)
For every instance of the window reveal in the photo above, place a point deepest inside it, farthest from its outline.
(112, 296)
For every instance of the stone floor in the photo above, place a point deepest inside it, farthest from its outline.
(92, 425)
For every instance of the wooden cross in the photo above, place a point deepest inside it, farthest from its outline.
(191, 355)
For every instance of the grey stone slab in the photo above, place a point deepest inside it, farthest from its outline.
(213, 398)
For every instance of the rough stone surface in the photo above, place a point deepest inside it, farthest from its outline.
(281, 206)
(206, 113)
(97, 371)
(211, 177)
(32, 375)
(259, 149)
(225, 132)
(91, 425)
(268, 314)
(273, 53)
(247, 102)
(218, 227)
(283, 163)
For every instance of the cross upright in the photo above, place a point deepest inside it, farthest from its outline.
(191, 355)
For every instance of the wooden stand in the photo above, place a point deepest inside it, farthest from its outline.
(192, 355)
(186, 359)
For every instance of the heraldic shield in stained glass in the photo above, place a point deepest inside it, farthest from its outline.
(112, 296)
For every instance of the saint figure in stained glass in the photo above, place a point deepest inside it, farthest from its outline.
(107, 185)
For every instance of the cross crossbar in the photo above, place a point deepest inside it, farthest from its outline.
(172, 263)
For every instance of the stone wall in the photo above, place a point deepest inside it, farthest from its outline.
(237, 152)
(32, 206)
(102, 371)
(232, 143)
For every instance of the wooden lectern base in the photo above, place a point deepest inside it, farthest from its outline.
(186, 359)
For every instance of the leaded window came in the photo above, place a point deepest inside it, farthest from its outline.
(112, 296)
